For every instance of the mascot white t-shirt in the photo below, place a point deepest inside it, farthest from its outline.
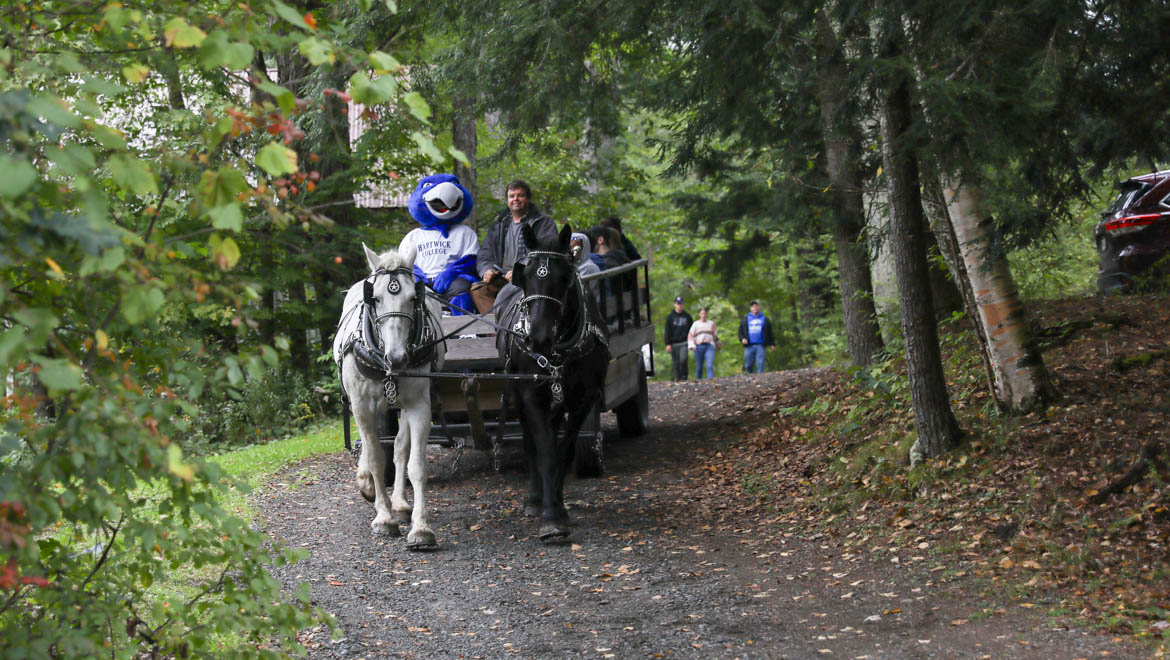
(435, 251)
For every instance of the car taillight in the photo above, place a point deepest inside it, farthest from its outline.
(1131, 223)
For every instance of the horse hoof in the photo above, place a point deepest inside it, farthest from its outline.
(550, 531)
(424, 540)
(401, 516)
(531, 510)
(366, 488)
(385, 529)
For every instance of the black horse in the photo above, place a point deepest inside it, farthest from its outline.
(566, 341)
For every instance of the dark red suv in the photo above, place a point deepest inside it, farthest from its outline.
(1133, 237)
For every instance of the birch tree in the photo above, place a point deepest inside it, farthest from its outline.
(1019, 378)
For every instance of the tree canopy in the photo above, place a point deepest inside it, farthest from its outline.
(177, 215)
(149, 161)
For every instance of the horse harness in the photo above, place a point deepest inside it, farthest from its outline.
(366, 343)
(586, 333)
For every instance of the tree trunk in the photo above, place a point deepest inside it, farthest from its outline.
(268, 303)
(938, 431)
(944, 233)
(169, 69)
(464, 138)
(944, 292)
(1020, 380)
(842, 144)
(794, 306)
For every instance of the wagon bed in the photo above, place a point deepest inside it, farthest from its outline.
(468, 408)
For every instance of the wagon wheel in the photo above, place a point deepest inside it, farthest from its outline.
(633, 415)
(587, 452)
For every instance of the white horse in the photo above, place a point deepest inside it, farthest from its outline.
(386, 327)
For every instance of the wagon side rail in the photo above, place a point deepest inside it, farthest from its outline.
(624, 302)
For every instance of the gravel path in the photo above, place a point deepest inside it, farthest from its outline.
(645, 574)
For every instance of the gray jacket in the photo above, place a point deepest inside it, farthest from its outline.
(491, 249)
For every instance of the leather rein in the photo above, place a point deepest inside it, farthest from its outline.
(584, 332)
(367, 346)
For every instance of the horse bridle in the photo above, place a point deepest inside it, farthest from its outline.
(542, 272)
(551, 364)
(394, 287)
(421, 344)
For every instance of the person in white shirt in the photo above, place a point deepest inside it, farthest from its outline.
(445, 248)
(703, 339)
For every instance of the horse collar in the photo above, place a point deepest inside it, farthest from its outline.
(420, 345)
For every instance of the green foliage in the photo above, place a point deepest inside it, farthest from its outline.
(276, 404)
(1064, 262)
(139, 216)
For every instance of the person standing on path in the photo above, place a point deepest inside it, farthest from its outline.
(703, 339)
(755, 332)
(503, 247)
(678, 325)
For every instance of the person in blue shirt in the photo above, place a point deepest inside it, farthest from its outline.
(755, 332)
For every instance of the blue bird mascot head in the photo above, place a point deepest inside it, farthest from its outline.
(440, 202)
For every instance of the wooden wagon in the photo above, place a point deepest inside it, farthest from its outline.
(470, 401)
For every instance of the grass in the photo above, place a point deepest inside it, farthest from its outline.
(255, 463)
(251, 466)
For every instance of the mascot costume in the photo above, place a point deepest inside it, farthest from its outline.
(445, 247)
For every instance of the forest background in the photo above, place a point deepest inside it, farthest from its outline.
(178, 217)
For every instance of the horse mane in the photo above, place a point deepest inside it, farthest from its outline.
(392, 259)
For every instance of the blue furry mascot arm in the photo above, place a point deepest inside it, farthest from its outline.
(464, 268)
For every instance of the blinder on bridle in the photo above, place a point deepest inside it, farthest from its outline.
(393, 287)
(542, 271)
(416, 314)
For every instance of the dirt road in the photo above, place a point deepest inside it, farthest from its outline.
(645, 574)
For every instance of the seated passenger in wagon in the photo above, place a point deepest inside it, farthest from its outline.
(445, 248)
(579, 247)
(607, 248)
(607, 254)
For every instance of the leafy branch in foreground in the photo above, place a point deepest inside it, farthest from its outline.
(141, 143)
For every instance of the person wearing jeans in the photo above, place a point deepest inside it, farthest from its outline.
(755, 332)
(678, 324)
(703, 339)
